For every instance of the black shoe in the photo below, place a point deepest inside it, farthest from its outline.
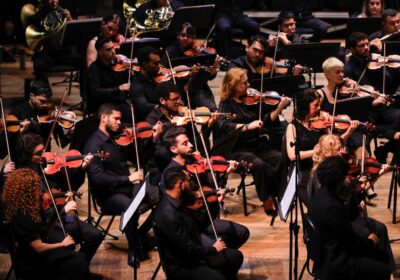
(132, 261)
(372, 196)
(381, 154)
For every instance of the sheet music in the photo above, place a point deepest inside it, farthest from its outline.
(286, 202)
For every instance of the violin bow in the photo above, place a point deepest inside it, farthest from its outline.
(275, 52)
(57, 117)
(261, 93)
(208, 35)
(334, 109)
(384, 69)
(131, 55)
(5, 128)
(135, 136)
(206, 204)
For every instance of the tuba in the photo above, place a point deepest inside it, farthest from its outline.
(50, 25)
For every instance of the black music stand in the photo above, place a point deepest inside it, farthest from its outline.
(284, 85)
(198, 16)
(125, 48)
(80, 32)
(311, 54)
(392, 47)
(207, 60)
(361, 104)
(365, 25)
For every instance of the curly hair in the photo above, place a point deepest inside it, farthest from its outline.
(231, 79)
(325, 148)
(21, 194)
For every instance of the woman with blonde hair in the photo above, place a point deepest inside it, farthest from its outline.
(372, 9)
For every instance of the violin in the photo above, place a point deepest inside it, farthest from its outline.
(72, 159)
(197, 164)
(122, 63)
(341, 122)
(254, 97)
(197, 48)
(179, 72)
(200, 115)
(377, 61)
(210, 194)
(372, 166)
(59, 198)
(143, 130)
(281, 66)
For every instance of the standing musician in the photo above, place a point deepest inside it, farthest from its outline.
(251, 146)
(182, 253)
(346, 255)
(29, 151)
(43, 251)
(112, 184)
(185, 45)
(103, 83)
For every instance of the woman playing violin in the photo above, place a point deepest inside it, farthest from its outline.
(43, 251)
(251, 146)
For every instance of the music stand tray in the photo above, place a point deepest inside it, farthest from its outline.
(392, 47)
(284, 85)
(357, 108)
(311, 54)
(198, 16)
(365, 25)
(80, 32)
(207, 60)
(125, 48)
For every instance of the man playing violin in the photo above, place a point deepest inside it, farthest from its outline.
(390, 28)
(182, 253)
(104, 84)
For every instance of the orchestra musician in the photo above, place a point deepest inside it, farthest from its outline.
(43, 251)
(390, 27)
(103, 83)
(199, 91)
(182, 253)
(346, 255)
(250, 145)
(372, 9)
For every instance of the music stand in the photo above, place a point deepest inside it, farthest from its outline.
(80, 32)
(6, 56)
(207, 60)
(198, 16)
(125, 48)
(311, 54)
(365, 25)
(361, 104)
(392, 47)
(286, 204)
(284, 85)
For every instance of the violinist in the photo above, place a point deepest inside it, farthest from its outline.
(390, 27)
(253, 144)
(182, 253)
(234, 235)
(199, 91)
(104, 84)
(43, 251)
(29, 150)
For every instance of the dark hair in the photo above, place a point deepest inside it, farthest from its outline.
(108, 108)
(190, 29)
(284, 15)
(115, 18)
(332, 171)
(101, 40)
(26, 144)
(388, 13)
(144, 54)
(173, 175)
(40, 87)
(303, 103)
(260, 39)
(169, 138)
(164, 89)
(354, 38)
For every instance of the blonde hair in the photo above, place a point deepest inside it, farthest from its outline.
(365, 12)
(325, 148)
(231, 79)
(331, 62)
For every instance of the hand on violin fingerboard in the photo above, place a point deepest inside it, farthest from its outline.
(9, 167)
(157, 129)
(86, 161)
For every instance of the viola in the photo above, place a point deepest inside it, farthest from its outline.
(254, 97)
(377, 61)
(72, 159)
(210, 194)
(341, 122)
(200, 115)
(122, 63)
(66, 119)
(59, 198)
(143, 130)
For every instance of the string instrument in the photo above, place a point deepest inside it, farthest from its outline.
(200, 115)
(197, 164)
(341, 122)
(198, 49)
(143, 130)
(390, 35)
(210, 194)
(72, 159)
(253, 97)
(372, 166)
(367, 89)
(59, 198)
(282, 66)
(122, 63)
(179, 72)
(377, 61)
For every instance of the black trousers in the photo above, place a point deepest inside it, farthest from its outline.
(387, 120)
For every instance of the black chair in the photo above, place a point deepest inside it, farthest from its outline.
(160, 254)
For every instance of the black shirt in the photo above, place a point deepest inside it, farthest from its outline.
(143, 95)
(240, 62)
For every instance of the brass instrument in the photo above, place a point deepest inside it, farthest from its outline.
(51, 24)
(157, 19)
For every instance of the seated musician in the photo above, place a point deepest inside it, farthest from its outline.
(251, 146)
(111, 182)
(29, 151)
(185, 45)
(41, 254)
(346, 255)
(182, 253)
(354, 197)
(109, 29)
(301, 132)
(372, 9)
(103, 83)
(390, 28)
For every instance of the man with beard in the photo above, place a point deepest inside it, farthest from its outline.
(112, 184)
(181, 250)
